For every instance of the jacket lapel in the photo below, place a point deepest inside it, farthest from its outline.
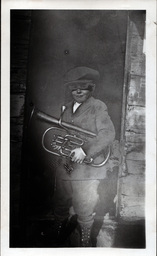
(69, 108)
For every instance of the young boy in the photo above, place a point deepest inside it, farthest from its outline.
(78, 188)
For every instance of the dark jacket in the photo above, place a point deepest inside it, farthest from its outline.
(92, 115)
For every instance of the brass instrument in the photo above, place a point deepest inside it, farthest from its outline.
(58, 141)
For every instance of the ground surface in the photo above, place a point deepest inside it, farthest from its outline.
(105, 233)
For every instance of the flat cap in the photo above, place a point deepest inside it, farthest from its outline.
(82, 77)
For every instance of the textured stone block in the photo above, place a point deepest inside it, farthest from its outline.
(135, 119)
(138, 65)
(132, 201)
(136, 167)
(136, 95)
(136, 46)
(133, 185)
(137, 156)
(134, 138)
(132, 207)
(135, 150)
(134, 144)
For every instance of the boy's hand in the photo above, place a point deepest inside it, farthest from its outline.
(77, 155)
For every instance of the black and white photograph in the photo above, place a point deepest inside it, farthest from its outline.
(77, 129)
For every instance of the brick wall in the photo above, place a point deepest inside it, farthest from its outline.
(132, 176)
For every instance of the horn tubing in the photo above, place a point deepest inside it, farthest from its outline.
(54, 120)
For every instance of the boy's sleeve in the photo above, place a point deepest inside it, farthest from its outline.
(105, 133)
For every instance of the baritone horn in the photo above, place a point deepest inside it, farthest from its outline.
(58, 141)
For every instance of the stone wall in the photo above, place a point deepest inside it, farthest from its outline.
(20, 29)
(132, 176)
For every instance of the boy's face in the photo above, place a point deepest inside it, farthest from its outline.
(80, 95)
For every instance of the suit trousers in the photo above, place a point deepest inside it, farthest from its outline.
(81, 194)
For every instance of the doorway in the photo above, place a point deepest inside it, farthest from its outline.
(61, 40)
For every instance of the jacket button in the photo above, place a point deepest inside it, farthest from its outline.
(72, 121)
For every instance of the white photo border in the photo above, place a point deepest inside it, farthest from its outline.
(150, 7)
